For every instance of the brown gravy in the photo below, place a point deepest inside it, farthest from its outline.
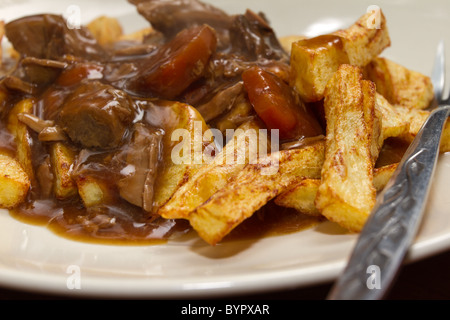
(71, 221)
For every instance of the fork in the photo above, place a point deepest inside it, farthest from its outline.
(393, 224)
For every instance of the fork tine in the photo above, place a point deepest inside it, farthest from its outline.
(438, 72)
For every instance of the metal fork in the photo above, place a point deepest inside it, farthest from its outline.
(393, 224)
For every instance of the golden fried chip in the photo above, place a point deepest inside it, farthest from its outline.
(62, 158)
(346, 194)
(22, 136)
(315, 60)
(105, 30)
(253, 187)
(14, 182)
(399, 85)
(212, 176)
(183, 158)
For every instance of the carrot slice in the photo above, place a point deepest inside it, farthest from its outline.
(275, 103)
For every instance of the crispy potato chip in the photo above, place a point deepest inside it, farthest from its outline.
(253, 187)
(315, 60)
(399, 85)
(394, 122)
(346, 194)
(93, 191)
(181, 159)
(2, 33)
(62, 158)
(22, 136)
(14, 182)
(137, 36)
(105, 30)
(287, 41)
(301, 197)
(416, 118)
(212, 176)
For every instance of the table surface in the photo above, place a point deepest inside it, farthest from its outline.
(427, 279)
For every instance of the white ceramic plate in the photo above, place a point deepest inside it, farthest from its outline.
(33, 258)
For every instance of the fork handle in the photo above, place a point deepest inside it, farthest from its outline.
(392, 225)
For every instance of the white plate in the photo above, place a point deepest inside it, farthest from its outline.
(33, 258)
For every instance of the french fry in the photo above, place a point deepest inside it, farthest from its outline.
(62, 158)
(2, 33)
(301, 197)
(105, 30)
(93, 191)
(416, 118)
(364, 41)
(174, 174)
(212, 176)
(399, 85)
(394, 122)
(14, 182)
(249, 190)
(287, 41)
(137, 36)
(315, 60)
(22, 136)
(382, 175)
(346, 194)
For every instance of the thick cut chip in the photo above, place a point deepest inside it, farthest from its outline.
(287, 41)
(22, 136)
(93, 191)
(62, 158)
(382, 175)
(399, 85)
(253, 187)
(301, 197)
(138, 35)
(416, 118)
(364, 41)
(105, 30)
(394, 122)
(247, 143)
(2, 33)
(14, 182)
(184, 146)
(315, 60)
(346, 194)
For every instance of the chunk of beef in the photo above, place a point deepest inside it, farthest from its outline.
(41, 71)
(252, 37)
(222, 101)
(97, 115)
(142, 157)
(47, 36)
(171, 17)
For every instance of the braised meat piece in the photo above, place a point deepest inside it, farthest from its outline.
(47, 36)
(171, 17)
(97, 115)
(252, 37)
(41, 71)
(142, 157)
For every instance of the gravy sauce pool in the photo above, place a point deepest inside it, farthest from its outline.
(71, 221)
